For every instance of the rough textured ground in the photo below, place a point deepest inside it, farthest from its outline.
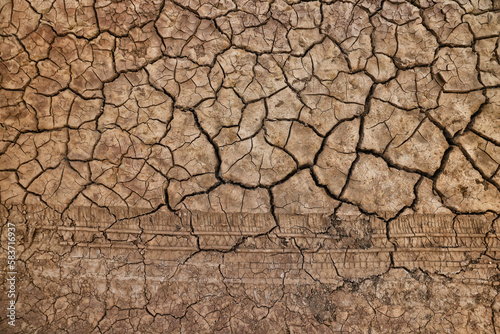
(251, 166)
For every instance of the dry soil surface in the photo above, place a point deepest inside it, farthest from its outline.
(234, 166)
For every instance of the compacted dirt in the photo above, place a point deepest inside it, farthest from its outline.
(233, 166)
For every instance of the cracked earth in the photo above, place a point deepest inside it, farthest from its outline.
(231, 166)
